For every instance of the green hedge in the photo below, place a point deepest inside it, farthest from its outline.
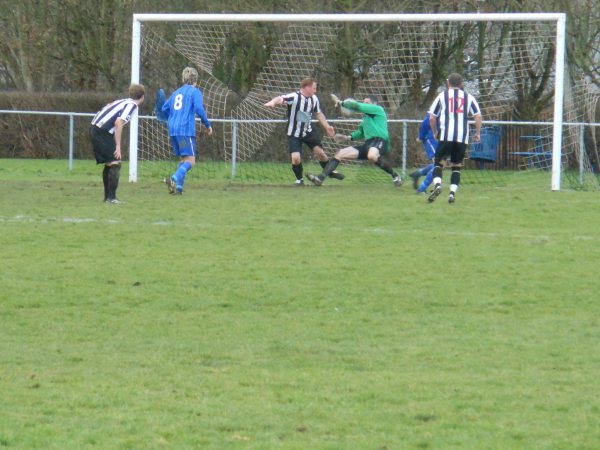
(41, 136)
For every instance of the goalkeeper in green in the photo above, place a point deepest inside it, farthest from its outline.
(372, 130)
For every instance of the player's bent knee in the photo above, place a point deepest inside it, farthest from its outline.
(189, 159)
(319, 153)
(374, 155)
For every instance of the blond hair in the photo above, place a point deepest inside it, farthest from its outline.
(189, 75)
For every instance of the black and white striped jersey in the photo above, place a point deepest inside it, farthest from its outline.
(299, 112)
(119, 109)
(453, 108)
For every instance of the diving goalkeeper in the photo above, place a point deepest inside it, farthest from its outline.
(373, 130)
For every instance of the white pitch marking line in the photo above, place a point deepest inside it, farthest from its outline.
(375, 230)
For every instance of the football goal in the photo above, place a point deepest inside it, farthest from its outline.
(535, 110)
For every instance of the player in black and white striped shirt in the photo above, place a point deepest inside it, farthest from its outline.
(452, 109)
(105, 133)
(301, 106)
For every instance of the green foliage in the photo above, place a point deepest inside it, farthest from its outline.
(46, 136)
(265, 317)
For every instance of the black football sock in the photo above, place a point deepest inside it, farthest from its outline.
(297, 168)
(105, 181)
(384, 165)
(113, 180)
(455, 177)
(437, 172)
(329, 167)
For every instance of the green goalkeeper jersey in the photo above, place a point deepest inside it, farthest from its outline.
(374, 123)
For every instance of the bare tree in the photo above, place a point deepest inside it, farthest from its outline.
(583, 32)
(29, 43)
(97, 44)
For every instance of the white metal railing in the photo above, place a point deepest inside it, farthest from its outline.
(405, 134)
(70, 115)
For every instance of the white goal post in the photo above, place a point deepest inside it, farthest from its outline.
(559, 19)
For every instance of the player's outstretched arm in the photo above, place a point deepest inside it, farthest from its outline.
(274, 102)
(347, 112)
(323, 121)
(161, 100)
(341, 138)
(336, 100)
(365, 108)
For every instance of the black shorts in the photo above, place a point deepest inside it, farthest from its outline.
(378, 143)
(453, 150)
(104, 145)
(311, 139)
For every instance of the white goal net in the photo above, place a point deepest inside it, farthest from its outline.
(514, 63)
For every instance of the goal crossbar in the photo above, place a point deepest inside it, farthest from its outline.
(453, 17)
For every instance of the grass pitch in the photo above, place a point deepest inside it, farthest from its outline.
(259, 317)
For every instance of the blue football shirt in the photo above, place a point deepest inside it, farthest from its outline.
(182, 107)
(427, 137)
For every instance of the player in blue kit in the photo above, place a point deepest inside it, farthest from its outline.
(180, 110)
(430, 144)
